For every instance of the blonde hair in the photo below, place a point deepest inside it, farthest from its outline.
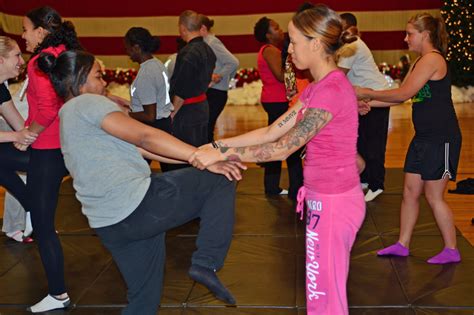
(6, 45)
(435, 27)
(322, 22)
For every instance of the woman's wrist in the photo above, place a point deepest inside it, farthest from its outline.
(15, 136)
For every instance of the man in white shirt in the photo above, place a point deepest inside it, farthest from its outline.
(356, 60)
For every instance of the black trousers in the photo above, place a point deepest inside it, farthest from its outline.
(371, 145)
(12, 161)
(137, 243)
(273, 169)
(217, 100)
(45, 173)
(165, 125)
(190, 125)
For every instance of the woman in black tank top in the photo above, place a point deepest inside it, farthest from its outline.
(433, 155)
(11, 159)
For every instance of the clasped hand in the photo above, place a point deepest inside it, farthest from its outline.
(207, 157)
(363, 99)
(23, 139)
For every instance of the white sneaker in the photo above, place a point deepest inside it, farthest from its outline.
(17, 236)
(49, 303)
(28, 227)
(364, 186)
(371, 195)
(283, 192)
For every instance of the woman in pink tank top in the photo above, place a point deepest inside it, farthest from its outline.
(326, 120)
(275, 103)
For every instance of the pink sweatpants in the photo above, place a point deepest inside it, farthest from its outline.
(332, 222)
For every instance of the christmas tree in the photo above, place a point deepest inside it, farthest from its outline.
(457, 15)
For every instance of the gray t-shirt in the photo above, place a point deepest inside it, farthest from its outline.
(109, 175)
(363, 71)
(151, 86)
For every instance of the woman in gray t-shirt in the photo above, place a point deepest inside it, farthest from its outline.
(149, 93)
(129, 208)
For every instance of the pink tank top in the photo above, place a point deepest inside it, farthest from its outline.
(330, 163)
(273, 91)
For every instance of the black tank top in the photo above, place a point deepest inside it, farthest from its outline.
(433, 114)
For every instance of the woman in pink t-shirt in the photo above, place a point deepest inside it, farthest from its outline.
(326, 120)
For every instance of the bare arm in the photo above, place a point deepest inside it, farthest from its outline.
(151, 139)
(313, 121)
(382, 104)
(21, 135)
(177, 103)
(266, 134)
(273, 58)
(36, 127)
(427, 68)
(12, 116)
(160, 144)
(159, 158)
(148, 115)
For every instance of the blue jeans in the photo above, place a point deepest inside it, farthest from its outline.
(137, 243)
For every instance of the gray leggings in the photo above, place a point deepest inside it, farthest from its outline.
(137, 243)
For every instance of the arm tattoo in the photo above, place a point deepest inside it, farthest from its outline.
(220, 143)
(234, 158)
(313, 121)
(287, 119)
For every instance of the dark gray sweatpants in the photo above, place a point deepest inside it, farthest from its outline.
(137, 243)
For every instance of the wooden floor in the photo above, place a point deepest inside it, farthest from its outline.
(238, 119)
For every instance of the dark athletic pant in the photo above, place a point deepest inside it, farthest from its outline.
(190, 125)
(371, 145)
(273, 169)
(137, 243)
(217, 100)
(164, 124)
(12, 161)
(45, 173)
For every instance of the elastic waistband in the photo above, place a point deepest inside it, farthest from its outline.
(196, 99)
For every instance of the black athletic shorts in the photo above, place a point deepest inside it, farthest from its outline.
(433, 161)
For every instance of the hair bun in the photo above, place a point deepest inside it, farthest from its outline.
(349, 35)
(211, 23)
(46, 62)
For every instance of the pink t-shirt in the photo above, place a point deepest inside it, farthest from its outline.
(273, 91)
(330, 163)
